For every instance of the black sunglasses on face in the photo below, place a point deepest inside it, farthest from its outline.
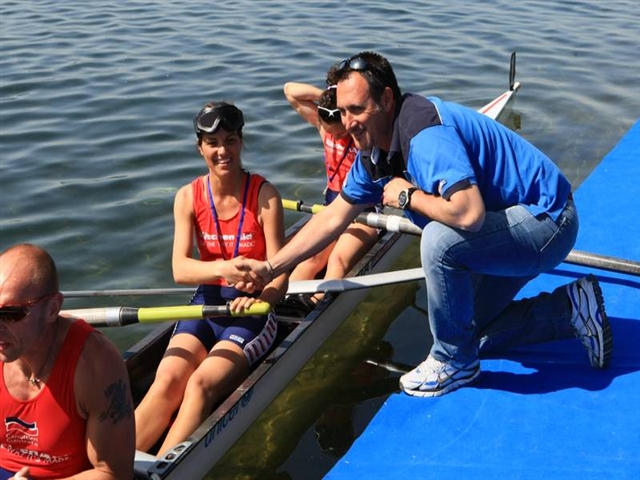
(328, 115)
(354, 63)
(210, 119)
(16, 313)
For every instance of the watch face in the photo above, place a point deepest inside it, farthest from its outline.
(402, 199)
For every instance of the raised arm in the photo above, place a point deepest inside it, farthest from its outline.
(103, 395)
(304, 100)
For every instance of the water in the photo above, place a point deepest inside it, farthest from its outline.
(97, 98)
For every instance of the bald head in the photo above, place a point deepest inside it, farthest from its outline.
(28, 269)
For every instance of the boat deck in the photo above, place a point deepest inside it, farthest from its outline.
(540, 411)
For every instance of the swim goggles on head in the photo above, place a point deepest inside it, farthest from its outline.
(210, 119)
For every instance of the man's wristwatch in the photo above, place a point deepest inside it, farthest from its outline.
(404, 197)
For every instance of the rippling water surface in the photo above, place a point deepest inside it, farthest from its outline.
(97, 98)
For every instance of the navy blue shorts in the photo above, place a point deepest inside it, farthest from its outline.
(5, 474)
(254, 335)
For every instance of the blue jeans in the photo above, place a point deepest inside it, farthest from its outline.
(473, 277)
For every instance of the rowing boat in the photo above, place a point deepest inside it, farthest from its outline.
(300, 334)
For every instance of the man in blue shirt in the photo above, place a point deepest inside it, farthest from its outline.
(495, 213)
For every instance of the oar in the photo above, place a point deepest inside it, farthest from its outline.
(401, 224)
(299, 286)
(603, 262)
(338, 285)
(129, 292)
(392, 367)
(576, 257)
(121, 316)
(391, 223)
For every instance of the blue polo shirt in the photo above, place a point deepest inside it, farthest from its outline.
(441, 147)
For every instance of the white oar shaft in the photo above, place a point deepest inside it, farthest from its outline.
(131, 292)
(355, 283)
(298, 286)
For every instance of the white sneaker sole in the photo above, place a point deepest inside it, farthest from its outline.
(449, 388)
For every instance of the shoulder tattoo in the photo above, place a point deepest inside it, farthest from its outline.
(119, 406)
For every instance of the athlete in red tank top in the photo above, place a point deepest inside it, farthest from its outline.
(52, 445)
(339, 155)
(243, 224)
(65, 401)
(230, 215)
(318, 107)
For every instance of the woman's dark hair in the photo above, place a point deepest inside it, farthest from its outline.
(224, 114)
(327, 107)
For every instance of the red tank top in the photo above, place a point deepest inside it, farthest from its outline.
(339, 155)
(250, 242)
(47, 433)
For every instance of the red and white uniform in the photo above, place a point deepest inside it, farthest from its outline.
(47, 433)
(339, 155)
(252, 242)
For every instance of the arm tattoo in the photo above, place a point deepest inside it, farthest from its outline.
(120, 406)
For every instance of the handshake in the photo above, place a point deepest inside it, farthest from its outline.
(249, 275)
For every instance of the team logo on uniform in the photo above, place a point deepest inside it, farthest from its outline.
(15, 425)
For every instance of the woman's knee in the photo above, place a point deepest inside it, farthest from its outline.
(194, 387)
(315, 263)
(169, 383)
(338, 261)
(202, 386)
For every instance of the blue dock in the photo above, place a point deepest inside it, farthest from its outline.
(538, 411)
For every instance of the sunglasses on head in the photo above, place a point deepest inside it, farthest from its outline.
(210, 119)
(354, 63)
(329, 115)
(17, 312)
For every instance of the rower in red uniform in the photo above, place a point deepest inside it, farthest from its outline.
(318, 107)
(232, 214)
(65, 402)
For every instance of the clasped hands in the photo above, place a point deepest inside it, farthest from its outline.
(249, 276)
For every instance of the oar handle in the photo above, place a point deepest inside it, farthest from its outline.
(300, 206)
(121, 316)
(391, 223)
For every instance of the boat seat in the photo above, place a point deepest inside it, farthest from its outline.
(142, 462)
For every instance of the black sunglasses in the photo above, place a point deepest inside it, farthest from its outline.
(354, 63)
(18, 312)
(329, 115)
(210, 119)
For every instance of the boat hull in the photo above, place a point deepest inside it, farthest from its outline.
(302, 338)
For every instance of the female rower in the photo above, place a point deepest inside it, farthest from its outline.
(318, 107)
(230, 213)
